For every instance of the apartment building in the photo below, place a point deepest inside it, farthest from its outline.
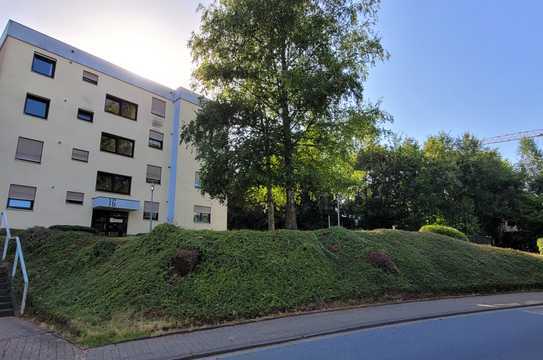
(85, 142)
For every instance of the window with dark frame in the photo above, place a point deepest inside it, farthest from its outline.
(73, 197)
(202, 214)
(85, 115)
(154, 174)
(37, 106)
(113, 183)
(150, 207)
(90, 77)
(43, 65)
(156, 139)
(21, 197)
(124, 108)
(29, 150)
(117, 145)
(80, 155)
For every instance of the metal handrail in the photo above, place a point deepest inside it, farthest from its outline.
(19, 257)
(4, 224)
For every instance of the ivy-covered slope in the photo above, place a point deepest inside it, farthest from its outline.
(99, 290)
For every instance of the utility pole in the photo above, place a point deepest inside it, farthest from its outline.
(338, 211)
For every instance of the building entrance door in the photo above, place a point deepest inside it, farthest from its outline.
(110, 223)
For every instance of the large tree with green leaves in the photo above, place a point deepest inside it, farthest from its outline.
(531, 165)
(452, 180)
(233, 141)
(299, 66)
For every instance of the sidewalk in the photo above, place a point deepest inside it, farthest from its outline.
(21, 339)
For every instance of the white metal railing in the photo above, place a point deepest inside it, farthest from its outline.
(19, 257)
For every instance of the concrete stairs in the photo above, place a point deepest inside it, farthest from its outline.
(6, 307)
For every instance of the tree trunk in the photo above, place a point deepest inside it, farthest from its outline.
(271, 209)
(290, 221)
(290, 216)
(288, 148)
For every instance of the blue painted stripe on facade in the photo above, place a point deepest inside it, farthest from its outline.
(172, 184)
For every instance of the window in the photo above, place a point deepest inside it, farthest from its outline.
(153, 174)
(158, 107)
(202, 214)
(43, 65)
(29, 150)
(85, 115)
(21, 197)
(73, 197)
(113, 183)
(117, 145)
(80, 155)
(156, 139)
(36, 106)
(150, 210)
(197, 184)
(90, 77)
(121, 107)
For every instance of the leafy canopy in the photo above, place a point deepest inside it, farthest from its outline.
(296, 70)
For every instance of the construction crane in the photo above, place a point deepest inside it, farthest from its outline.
(530, 134)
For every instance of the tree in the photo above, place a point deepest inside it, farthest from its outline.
(395, 190)
(530, 215)
(452, 180)
(300, 63)
(531, 165)
(234, 149)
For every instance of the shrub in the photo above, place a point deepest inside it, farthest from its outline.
(103, 248)
(73, 228)
(14, 232)
(35, 237)
(540, 245)
(383, 261)
(444, 230)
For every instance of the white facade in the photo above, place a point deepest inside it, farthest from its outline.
(43, 187)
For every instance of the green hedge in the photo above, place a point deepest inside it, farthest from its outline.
(73, 228)
(444, 230)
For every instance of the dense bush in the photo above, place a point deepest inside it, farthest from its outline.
(444, 230)
(14, 232)
(35, 237)
(73, 228)
(540, 245)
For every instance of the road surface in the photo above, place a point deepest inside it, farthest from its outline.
(506, 334)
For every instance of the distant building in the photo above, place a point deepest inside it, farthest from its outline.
(82, 141)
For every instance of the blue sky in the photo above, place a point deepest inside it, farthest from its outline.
(463, 65)
(455, 66)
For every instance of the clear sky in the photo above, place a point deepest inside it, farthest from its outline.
(456, 66)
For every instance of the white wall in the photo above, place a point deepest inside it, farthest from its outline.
(62, 131)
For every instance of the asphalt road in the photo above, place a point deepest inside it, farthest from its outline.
(505, 334)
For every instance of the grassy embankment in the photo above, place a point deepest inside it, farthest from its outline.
(97, 290)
